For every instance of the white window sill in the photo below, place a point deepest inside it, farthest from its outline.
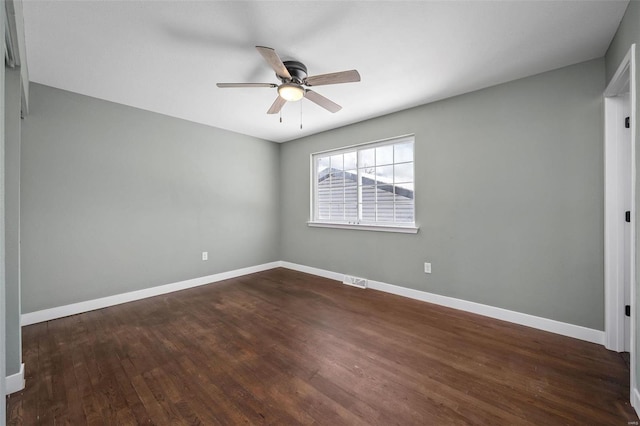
(380, 228)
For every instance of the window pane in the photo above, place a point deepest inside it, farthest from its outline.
(324, 180)
(351, 177)
(324, 195)
(403, 172)
(404, 192)
(384, 155)
(368, 195)
(351, 212)
(366, 158)
(385, 193)
(384, 174)
(367, 176)
(323, 211)
(337, 178)
(350, 160)
(385, 212)
(403, 152)
(337, 195)
(351, 187)
(323, 165)
(337, 162)
(337, 212)
(404, 212)
(368, 213)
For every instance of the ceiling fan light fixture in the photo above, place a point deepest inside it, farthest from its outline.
(291, 92)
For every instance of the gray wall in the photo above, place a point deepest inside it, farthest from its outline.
(12, 219)
(627, 34)
(116, 199)
(509, 190)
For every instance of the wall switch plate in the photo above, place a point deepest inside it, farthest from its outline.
(205, 255)
(427, 268)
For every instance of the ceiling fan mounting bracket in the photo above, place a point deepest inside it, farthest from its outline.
(297, 70)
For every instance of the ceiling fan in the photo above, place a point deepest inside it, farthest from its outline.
(293, 78)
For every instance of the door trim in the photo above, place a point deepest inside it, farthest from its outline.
(623, 80)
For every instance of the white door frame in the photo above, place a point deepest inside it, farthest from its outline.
(622, 82)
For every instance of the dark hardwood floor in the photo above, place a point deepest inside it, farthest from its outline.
(283, 347)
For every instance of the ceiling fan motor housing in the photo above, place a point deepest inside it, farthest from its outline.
(297, 70)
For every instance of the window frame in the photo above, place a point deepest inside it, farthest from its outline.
(400, 227)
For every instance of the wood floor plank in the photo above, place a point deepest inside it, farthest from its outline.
(284, 347)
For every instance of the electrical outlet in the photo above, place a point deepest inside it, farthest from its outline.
(205, 255)
(427, 268)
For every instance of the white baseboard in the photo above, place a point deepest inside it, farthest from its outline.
(635, 400)
(91, 305)
(15, 382)
(553, 326)
(565, 329)
(313, 271)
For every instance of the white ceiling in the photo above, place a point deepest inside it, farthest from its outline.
(167, 56)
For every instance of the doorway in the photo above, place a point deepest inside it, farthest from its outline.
(619, 217)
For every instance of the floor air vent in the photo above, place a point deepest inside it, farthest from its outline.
(355, 281)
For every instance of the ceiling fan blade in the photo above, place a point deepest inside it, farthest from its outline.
(322, 101)
(350, 76)
(277, 105)
(227, 85)
(274, 61)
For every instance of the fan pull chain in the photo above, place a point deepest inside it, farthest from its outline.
(300, 115)
(281, 116)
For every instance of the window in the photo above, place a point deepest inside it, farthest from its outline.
(369, 185)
